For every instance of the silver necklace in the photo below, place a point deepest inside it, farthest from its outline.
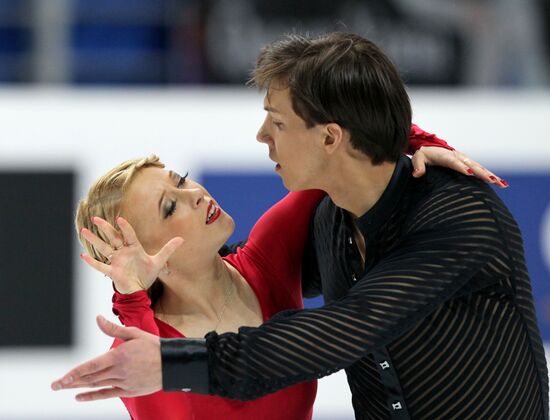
(228, 295)
(219, 315)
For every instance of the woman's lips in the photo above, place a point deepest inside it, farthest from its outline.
(214, 211)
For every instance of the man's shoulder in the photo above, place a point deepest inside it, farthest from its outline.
(443, 193)
(438, 180)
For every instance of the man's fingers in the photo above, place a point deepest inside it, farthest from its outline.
(102, 394)
(116, 331)
(105, 377)
(95, 384)
(101, 363)
(90, 367)
(168, 249)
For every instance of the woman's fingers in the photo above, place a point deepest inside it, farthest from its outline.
(98, 243)
(114, 237)
(419, 163)
(475, 169)
(168, 249)
(130, 237)
(96, 265)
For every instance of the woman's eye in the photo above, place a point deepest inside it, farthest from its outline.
(169, 211)
(278, 124)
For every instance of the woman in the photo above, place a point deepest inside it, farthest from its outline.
(176, 287)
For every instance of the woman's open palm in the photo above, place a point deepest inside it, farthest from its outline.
(127, 263)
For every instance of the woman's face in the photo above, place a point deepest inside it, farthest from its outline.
(162, 204)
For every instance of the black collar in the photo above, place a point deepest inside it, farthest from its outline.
(373, 219)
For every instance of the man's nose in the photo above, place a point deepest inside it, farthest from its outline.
(263, 136)
(260, 136)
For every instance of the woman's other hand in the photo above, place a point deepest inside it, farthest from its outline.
(453, 159)
(129, 266)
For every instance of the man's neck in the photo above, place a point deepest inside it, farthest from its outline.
(357, 185)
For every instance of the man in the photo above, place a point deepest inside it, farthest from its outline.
(428, 303)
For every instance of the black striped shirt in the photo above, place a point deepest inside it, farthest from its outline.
(439, 323)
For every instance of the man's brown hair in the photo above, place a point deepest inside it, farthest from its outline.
(345, 79)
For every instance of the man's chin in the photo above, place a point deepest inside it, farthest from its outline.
(292, 185)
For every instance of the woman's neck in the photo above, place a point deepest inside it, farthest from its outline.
(202, 294)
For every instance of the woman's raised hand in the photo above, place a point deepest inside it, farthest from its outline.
(130, 267)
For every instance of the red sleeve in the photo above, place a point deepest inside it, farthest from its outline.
(134, 310)
(278, 238)
(419, 138)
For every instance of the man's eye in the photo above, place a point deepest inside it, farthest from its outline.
(278, 124)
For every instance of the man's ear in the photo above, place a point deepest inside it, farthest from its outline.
(333, 137)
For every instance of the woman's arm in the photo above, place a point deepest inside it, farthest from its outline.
(277, 240)
(428, 149)
(134, 310)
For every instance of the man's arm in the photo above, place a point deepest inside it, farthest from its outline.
(453, 236)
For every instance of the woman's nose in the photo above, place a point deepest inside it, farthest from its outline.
(196, 195)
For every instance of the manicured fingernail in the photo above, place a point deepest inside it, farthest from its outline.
(56, 387)
(81, 255)
(92, 219)
(503, 182)
(470, 172)
(67, 380)
(493, 178)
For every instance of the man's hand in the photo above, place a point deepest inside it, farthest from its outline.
(453, 159)
(129, 370)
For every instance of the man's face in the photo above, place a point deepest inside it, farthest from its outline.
(296, 149)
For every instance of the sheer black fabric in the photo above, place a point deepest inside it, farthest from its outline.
(231, 248)
(439, 323)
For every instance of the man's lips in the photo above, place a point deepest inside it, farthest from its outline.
(212, 213)
(277, 164)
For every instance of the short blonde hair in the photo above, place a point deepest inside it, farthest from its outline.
(105, 198)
